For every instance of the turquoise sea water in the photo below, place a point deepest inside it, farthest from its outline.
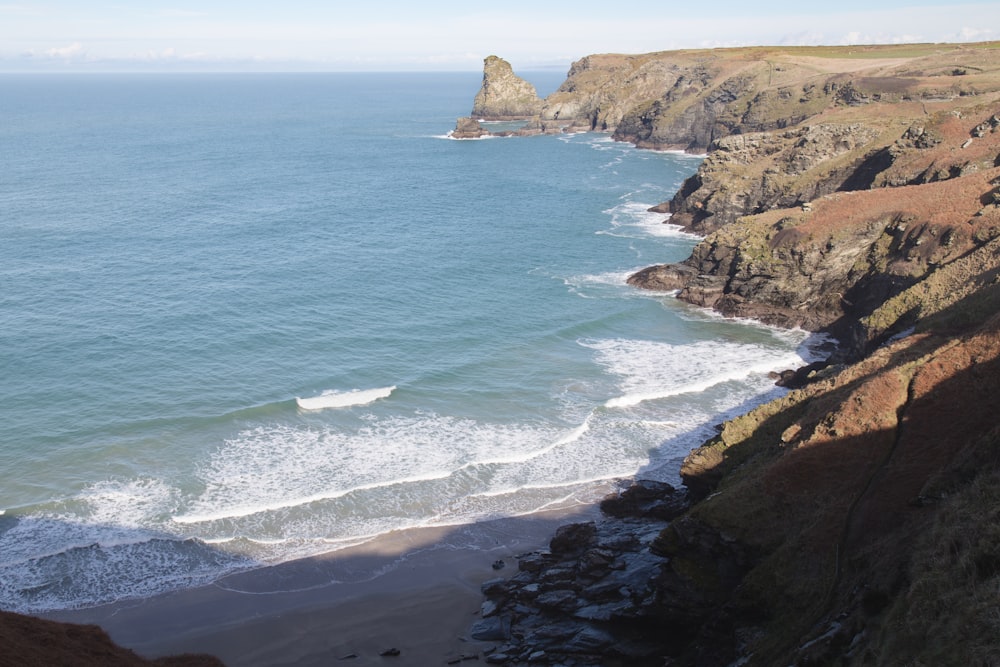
(183, 257)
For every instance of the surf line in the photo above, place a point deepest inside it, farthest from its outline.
(343, 399)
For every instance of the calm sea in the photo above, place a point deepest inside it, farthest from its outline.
(183, 257)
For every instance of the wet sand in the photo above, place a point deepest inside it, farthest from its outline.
(417, 591)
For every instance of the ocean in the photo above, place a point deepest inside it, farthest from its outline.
(251, 318)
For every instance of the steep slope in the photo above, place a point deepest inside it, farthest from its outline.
(877, 220)
(834, 490)
(35, 642)
(854, 520)
(829, 263)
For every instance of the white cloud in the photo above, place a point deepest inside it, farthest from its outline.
(74, 50)
(967, 34)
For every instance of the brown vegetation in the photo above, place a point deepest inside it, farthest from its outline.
(34, 642)
(865, 500)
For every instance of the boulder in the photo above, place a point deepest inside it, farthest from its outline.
(573, 538)
(492, 629)
(647, 498)
(468, 128)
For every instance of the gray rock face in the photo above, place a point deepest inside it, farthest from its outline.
(729, 184)
(504, 95)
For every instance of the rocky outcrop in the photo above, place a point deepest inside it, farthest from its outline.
(601, 89)
(831, 262)
(752, 173)
(504, 95)
(689, 100)
(468, 128)
(844, 523)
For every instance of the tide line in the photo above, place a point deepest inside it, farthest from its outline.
(240, 512)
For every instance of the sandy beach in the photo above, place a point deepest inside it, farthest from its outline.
(416, 591)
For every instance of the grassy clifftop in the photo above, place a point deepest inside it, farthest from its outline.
(688, 99)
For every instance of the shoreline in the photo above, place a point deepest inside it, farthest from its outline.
(417, 591)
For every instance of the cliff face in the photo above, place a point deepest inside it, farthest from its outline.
(831, 262)
(852, 521)
(861, 499)
(689, 99)
(504, 95)
(855, 502)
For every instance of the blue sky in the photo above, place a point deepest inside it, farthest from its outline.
(368, 35)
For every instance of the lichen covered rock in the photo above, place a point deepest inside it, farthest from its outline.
(504, 95)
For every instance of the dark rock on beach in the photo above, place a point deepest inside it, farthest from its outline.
(586, 599)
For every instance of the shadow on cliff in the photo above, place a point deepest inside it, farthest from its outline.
(823, 501)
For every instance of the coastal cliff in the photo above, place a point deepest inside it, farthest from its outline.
(853, 521)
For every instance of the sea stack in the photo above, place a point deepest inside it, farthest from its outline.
(504, 95)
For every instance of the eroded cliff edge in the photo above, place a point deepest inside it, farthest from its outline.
(854, 520)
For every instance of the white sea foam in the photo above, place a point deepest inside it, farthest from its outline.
(55, 561)
(343, 399)
(496, 493)
(289, 491)
(237, 512)
(450, 137)
(651, 370)
(683, 154)
(282, 467)
(130, 503)
(633, 219)
(613, 283)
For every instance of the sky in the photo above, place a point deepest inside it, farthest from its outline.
(404, 35)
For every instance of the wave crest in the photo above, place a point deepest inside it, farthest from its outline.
(343, 399)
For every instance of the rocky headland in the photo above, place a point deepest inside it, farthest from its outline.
(852, 191)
